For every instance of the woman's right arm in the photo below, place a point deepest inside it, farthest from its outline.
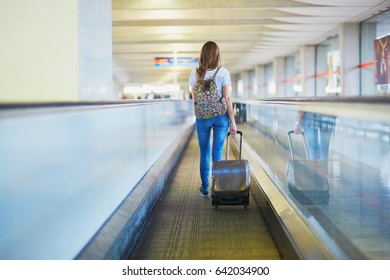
(298, 122)
(230, 112)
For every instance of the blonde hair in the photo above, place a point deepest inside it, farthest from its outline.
(210, 58)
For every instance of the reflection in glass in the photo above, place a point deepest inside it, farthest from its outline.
(355, 154)
(306, 178)
(318, 130)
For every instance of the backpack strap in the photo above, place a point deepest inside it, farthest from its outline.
(215, 74)
(213, 78)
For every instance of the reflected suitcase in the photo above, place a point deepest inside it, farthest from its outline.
(230, 179)
(306, 178)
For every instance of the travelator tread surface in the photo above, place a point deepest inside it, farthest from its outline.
(184, 225)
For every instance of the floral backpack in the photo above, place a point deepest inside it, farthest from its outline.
(207, 102)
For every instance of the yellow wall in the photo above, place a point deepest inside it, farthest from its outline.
(39, 51)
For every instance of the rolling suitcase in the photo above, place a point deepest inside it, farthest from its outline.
(306, 178)
(230, 179)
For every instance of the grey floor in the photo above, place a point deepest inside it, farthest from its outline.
(185, 226)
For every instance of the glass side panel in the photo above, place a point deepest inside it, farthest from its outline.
(344, 187)
(63, 171)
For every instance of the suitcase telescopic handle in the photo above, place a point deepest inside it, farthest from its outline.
(304, 144)
(227, 143)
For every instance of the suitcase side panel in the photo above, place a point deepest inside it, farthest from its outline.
(307, 175)
(307, 181)
(231, 180)
(230, 175)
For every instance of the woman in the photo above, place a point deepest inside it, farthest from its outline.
(209, 64)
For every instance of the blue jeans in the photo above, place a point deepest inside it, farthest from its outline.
(220, 126)
(318, 130)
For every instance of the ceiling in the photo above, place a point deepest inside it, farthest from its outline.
(248, 32)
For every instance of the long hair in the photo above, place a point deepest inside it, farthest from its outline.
(210, 58)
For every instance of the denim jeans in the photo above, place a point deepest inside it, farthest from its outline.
(318, 130)
(220, 126)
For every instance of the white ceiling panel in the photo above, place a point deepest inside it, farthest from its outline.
(249, 32)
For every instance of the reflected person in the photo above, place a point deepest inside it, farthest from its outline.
(318, 129)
